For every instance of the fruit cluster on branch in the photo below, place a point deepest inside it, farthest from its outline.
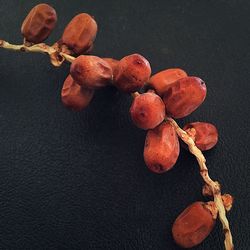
(169, 94)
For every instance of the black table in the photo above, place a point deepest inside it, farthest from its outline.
(77, 180)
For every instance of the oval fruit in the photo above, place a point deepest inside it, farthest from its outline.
(161, 149)
(193, 225)
(161, 80)
(133, 72)
(91, 72)
(184, 96)
(39, 23)
(205, 135)
(74, 96)
(147, 110)
(79, 35)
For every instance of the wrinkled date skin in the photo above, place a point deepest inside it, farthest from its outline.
(147, 111)
(134, 71)
(79, 35)
(114, 64)
(161, 149)
(205, 135)
(160, 81)
(39, 23)
(74, 96)
(91, 72)
(193, 225)
(184, 96)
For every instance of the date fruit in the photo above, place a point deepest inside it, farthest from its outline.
(160, 81)
(79, 35)
(39, 23)
(184, 96)
(147, 110)
(205, 135)
(74, 96)
(133, 72)
(161, 149)
(91, 72)
(193, 225)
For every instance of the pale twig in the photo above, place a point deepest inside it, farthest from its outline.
(214, 185)
(56, 56)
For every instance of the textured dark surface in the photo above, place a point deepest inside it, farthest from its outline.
(77, 180)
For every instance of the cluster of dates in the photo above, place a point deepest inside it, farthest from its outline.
(170, 93)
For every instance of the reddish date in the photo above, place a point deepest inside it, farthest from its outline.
(39, 23)
(205, 135)
(74, 96)
(160, 81)
(184, 96)
(79, 35)
(133, 72)
(91, 72)
(147, 110)
(193, 225)
(161, 148)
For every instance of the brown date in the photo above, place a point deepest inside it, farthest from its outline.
(147, 110)
(39, 23)
(133, 72)
(79, 35)
(74, 96)
(160, 81)
(161, 149)
(193, 225)
(205, 135)
(114, 64)
(91, 72)
(184, 96)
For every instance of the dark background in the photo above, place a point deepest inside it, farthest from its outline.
(77, 180)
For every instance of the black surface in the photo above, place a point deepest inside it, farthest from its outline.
(77, 180)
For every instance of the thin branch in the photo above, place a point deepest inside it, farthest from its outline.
(56, 57)
(214, 185)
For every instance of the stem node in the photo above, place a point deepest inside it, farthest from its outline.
(214, 186)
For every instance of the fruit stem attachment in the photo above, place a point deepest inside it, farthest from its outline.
(56, 57)
(214, 185)
(135, 94)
